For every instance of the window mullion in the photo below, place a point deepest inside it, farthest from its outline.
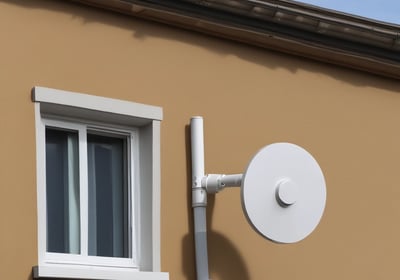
(73, 216)
(83, 180)
(134, 195)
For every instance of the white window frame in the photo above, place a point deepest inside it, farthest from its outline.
(60, 108)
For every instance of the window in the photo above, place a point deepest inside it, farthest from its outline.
(101, 171)
(98, 186)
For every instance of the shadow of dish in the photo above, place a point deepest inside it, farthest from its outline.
(224, 259)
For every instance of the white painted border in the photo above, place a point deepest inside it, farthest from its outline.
(97, 103)
(40, 182)
(156, 196)
(148, 117)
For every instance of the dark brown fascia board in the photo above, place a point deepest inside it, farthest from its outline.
(316, 20)
(282, 37)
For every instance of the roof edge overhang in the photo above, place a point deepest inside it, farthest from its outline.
(283, 26)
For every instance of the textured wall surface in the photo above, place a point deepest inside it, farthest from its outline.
(249, 97)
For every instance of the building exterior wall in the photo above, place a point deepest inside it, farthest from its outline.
(249, 97)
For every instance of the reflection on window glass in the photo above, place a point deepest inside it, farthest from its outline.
(109, 220)
(62, 191)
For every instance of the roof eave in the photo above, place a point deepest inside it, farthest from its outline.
(338, 39)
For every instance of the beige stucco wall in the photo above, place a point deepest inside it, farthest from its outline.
(249, 97)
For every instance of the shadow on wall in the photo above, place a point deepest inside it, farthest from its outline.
(143, 29)
(224, 260)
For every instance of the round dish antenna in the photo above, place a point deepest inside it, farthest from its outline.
(283, 193)
(282, 190)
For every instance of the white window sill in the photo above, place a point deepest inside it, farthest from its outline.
(98, 273)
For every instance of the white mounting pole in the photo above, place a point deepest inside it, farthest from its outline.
(201, 185)
(199, 198)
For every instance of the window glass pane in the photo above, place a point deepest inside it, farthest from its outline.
(109, 221)
(62, 191)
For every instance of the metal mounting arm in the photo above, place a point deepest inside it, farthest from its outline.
(214, 183)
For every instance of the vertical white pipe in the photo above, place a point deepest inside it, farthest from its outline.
(197, 141)
(199, 198)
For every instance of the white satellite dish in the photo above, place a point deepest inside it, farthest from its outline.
(283, 193)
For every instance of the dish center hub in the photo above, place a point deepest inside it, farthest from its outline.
(287, 192)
